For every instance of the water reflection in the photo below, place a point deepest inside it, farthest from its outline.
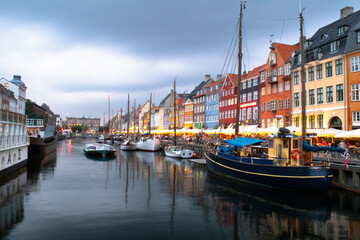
(265, 213)
(12, 201)
(138, 195)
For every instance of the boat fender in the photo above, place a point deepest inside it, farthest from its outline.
(295, 154)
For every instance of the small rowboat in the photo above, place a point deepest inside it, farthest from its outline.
(99, 150)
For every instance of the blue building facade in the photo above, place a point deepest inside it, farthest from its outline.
(212, 104)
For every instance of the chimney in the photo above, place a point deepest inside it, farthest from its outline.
(207, 76)
(218, 77)
(17, 77)
(346, 11)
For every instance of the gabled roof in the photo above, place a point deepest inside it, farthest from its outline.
(233, 78)
(285, 50)
(254, 72)
(180, 101)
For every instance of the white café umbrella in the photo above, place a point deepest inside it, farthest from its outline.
(348, 134)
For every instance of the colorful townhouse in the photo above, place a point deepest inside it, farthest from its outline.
(326, 76)
(212, 97)
(178, 103)
(352, 68)
(189, 106)
(199, 104)
(275, 82)
(227, 101)
(250, 97)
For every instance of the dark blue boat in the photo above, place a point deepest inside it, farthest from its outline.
(284, 173)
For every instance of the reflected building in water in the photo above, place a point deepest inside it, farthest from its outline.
(12, 202)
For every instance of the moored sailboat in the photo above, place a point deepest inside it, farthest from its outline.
(288, 164)
(128, 144)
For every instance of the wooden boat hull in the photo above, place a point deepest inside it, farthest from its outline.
(99, 151)
(299, 178)
(40, 147)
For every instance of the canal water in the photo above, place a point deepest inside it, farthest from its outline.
(141, 195)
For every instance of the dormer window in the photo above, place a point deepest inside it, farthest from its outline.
(358, 37)
(299, 58)
(324, 36)
(334, 46)
(308, 43)
(341, 30)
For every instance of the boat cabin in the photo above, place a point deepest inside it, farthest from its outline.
(287, 148)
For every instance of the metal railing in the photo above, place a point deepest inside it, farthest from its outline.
(13, 141)
(34, 122)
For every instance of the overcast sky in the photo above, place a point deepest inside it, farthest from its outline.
(72, 54)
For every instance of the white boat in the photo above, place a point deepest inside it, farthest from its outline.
(178, 152)
(149, 144)
(128, 146)
(14, 139)
(101, 139)
(99, 150)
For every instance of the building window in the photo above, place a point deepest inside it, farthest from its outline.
(355, 92)
(358, 37)
(320, 95)
(296, 78)
(262, 77)
(287, 103)
(329, 94)
(249, 97)
(287, 85)
(255, 113)
(312, 121)
(280, 87)
(334, 46)
(269, 125)
(263, 91)
(273, 104)
(274, 88)
(249, 113)
(280, 71)
(263, 107)
(296, 100)
(356, 118)
(287, 69)
(319, 72)
(249, 83)
(311, 74)
(281, 104)
(320, 121)
(268, 73)
(274, 72)
(338, 67)
(268, 89)
(244, 85)
(355, 64)
(339, 93)
(243, 117)
(329, 69)
(255, 82)
(296, 121)
(244, 98)
(269, 106)
(311, 97)
(255, 95)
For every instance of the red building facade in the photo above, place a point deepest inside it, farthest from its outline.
(275, 84)
(227, 103)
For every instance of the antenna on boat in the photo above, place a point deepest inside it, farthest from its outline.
(128, 121)
(150, 115)
(242, 6)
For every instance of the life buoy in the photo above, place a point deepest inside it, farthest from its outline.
(295, 154)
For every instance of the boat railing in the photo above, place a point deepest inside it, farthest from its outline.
(13, 141)
(34, 122)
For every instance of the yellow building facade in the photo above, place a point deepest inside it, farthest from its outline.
(326, 105)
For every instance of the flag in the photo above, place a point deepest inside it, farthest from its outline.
(347, 161)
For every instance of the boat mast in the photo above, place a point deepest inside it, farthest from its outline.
(109, 114)
(134, 115)
(175, 111)
(128, 121)
(303, 100)
(242, 5)
(121, 114)
(150, 116)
